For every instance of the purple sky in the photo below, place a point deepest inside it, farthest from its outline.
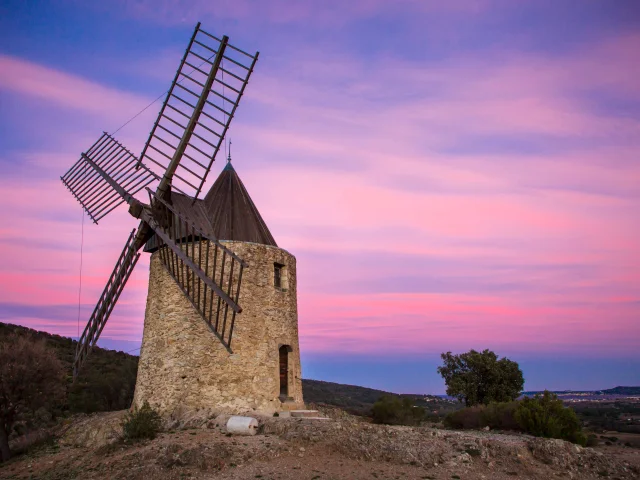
(449, 175)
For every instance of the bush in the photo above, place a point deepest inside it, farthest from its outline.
(542, 416)
(32, 382)
(546, 416)
(592, 440)
(501, 416)
(141, 423)
(470, 417)
(396, 411)
(495, 415)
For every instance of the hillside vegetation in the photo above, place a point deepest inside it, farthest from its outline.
(360, 400)
(105, 383)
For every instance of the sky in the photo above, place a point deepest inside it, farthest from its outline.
(449, 175)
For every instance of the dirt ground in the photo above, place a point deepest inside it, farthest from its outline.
(341, 448)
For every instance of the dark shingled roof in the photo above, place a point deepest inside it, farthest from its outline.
(232, 213)
(227, 212)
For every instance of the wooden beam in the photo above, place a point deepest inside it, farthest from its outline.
(147, 217)
(163, 189)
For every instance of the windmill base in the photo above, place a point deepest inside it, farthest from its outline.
(183, 365)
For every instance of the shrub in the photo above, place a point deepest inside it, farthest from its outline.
(495, 415)
(592, 440)
(470, 417)
(32, 382)
(542, 416)
(546, 416)
(397, 411)
(141, 423)
(501, 416)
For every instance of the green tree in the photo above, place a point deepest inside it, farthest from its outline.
(31, 377)
(480, 378)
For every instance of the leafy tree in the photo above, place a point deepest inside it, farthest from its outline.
(393, 410)
(480, 378)
(546, 416)
(31, 377)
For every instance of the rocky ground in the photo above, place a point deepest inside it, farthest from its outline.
(344, 447)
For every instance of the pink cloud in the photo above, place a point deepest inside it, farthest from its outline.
(330, 103)
(424, 323)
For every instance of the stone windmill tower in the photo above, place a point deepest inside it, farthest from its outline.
(182, 364)
(221, 326)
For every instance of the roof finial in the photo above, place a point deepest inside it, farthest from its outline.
(229, 157)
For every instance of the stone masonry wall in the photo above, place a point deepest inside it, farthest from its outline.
(184, 366)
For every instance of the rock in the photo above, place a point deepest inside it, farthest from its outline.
(486, 429)
(93, 431)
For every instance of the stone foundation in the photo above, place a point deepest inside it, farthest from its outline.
(183, 365)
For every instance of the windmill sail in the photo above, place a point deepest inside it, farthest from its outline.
(197, 111)
(183, 144)
(124, 266)
(208, 273)
(95, 193)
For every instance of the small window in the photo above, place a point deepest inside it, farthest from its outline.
(277, 275)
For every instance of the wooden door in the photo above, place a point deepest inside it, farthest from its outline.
(284, 371)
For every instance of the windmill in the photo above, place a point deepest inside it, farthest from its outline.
(177, 225)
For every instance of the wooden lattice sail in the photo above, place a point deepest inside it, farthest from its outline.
(177, 157)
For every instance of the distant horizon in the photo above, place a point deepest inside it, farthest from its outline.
(449, 175)
(120, 346)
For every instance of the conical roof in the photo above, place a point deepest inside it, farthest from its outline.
(227, 212)
(231, 212)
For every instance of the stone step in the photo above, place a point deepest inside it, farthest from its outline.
(304, 419)
(305, 413)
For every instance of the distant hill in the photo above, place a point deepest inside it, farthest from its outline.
(622, 391)
(589, 393)
(359, 400)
